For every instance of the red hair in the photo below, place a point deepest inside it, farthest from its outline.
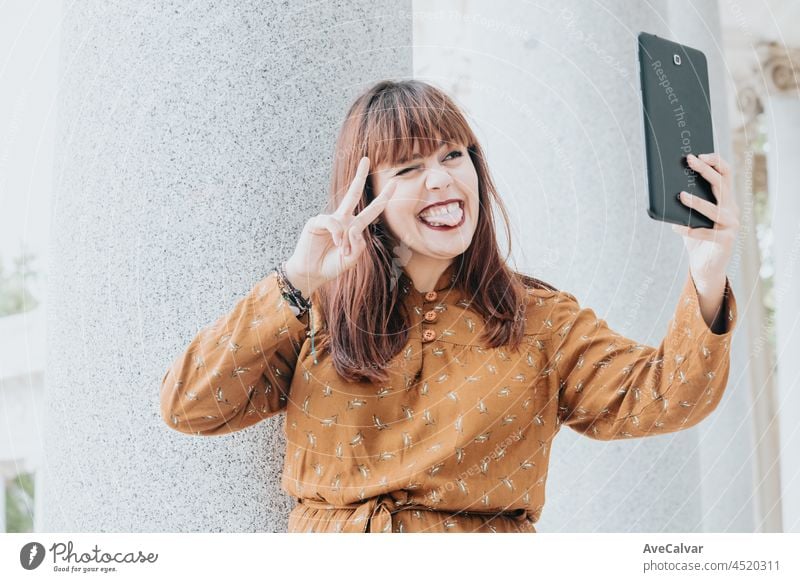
(365, 323)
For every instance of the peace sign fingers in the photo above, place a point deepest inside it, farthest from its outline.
(374, 208)
(353, 234)
(350, 200)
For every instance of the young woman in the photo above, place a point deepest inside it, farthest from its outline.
(422, 379)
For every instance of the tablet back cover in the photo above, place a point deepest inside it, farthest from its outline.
(677, 122)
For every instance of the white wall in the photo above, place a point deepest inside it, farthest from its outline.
(29, 39)
(783, 115)
(29, 51)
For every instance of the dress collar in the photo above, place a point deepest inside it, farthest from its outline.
(443, 284)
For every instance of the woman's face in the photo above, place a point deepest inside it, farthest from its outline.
(446, 175)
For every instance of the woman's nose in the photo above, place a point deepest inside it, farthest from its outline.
(438, 179)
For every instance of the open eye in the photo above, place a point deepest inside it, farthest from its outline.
(457, 153)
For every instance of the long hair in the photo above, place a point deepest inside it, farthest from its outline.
(365, 321)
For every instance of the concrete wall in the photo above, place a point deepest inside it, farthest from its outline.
(194, 141)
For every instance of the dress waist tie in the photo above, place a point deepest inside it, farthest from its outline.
(375, 514)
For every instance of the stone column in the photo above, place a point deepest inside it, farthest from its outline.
(784, 180)
(194, 141)
(553, 90)
(767, 99)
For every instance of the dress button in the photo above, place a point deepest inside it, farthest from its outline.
(430, 315)
(428, 335)
(431, 296)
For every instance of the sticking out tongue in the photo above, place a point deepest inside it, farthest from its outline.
(450, 219)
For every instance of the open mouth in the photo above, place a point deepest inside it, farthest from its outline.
(448, 217)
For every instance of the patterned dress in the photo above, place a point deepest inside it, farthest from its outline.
(458, 440)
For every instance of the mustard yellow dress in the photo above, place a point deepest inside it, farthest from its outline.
(459, 439)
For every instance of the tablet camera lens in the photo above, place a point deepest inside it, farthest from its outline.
(676, 59)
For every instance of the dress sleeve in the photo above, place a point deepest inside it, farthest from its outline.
(611, 387)
(236, 371)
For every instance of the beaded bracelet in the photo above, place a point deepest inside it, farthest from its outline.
(291, 293)
(297, 303)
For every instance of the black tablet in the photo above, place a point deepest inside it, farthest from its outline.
(677, 121)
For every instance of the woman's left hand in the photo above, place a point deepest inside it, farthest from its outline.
(710, 249)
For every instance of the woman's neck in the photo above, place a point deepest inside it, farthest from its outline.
(426, 272)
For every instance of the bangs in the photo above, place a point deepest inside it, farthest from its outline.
(402, 118)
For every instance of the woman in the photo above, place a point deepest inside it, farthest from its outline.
(423, 388)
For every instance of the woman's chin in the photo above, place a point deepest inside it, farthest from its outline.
(455, 241)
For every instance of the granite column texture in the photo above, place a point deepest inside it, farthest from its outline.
(553, 90)
(194, 141)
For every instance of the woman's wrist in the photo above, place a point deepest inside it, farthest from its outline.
(711, 299)
(302, 283)
(294, 298)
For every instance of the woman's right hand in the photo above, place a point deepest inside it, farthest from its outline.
(330, 244)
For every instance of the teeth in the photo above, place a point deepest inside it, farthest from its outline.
(440, 210)
(450, 219)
